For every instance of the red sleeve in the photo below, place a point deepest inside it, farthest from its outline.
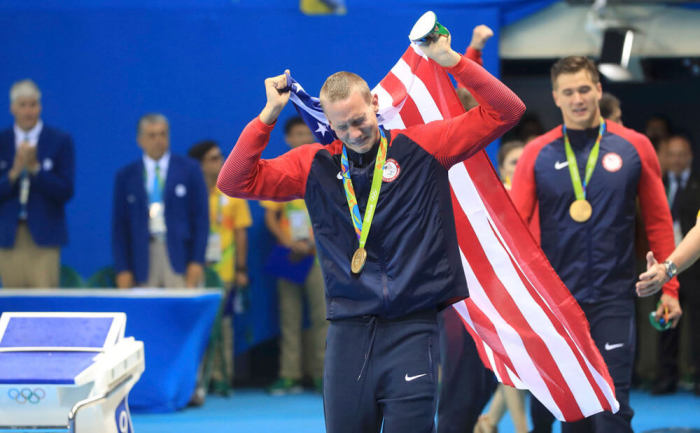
(652, 200)
(523, 191)
(245, 175)
(453, 140)
(474, 55)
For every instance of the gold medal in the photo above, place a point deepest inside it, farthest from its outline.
(358, 260)
(580, 210)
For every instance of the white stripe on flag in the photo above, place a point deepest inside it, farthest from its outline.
(461, 308)
(561, 352)
(608, 392)
(389, 114)
(515, 379)
(510, 340)
(602, 385)
(417, 91)
(492, 361)
(418, 51)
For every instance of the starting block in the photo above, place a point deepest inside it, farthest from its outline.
(67, 372)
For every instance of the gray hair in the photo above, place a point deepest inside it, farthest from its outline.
(24, 89)
(151, 118)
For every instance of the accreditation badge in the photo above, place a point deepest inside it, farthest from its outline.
(156, 218)
(213, 252)
(299, 224)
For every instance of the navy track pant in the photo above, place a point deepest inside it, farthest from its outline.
(381, 372)
(467, 385)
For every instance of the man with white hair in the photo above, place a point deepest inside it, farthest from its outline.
(37, 167)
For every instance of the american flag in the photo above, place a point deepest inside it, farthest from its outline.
(527, 327)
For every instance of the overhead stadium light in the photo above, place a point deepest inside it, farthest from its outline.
(615, 54)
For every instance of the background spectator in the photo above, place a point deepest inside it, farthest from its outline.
(36, 181)
(160, 221)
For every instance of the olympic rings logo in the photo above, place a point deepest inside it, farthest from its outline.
(26, 395)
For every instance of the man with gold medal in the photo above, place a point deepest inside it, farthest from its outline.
(381, 211)
(585, 177)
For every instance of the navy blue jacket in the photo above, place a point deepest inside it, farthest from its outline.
(595, 259)
(186, 217)
(50, 189)
(413, 261)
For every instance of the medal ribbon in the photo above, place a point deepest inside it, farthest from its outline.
(580, 190)
(362, 226)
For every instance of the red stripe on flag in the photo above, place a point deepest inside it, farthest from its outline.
(409, 114)
(536, 349)
(497, 365)
(560, 329)
(547, 290)
(395, 88)
(479, 343)
(484, 327)
(566, 315)
(436, 81)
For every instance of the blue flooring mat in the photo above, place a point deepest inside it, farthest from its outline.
(255, 411)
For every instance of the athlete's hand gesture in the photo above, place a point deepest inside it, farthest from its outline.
(440, 50)
(277, 92)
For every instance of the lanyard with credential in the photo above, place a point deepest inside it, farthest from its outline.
(155, 192)
(581, 209)
(361, 225)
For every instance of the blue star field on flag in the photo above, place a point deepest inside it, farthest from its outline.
(309, 108)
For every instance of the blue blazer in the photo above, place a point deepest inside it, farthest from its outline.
(186, 217)
(50, 189)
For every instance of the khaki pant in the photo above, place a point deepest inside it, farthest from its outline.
(291, 298)
(160, 273)
(27, 265)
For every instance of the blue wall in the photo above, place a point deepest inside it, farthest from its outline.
(101, 65)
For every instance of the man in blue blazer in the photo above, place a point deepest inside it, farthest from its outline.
(160, 217)
(37, 168)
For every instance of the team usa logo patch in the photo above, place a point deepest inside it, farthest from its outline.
(612, 162)
(391, 170)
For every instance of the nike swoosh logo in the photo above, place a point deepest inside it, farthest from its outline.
(339, 175)
(559, 165)
(609, 346)
(408, 378)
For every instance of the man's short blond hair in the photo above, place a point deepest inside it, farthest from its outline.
(24, 89)
(341, 84)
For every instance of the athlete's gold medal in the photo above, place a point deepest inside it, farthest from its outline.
(362, 225)
(358, 260)
(580, 210)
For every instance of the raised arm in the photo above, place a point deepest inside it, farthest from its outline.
(480, 35)
(453, 140)
(245, 175)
